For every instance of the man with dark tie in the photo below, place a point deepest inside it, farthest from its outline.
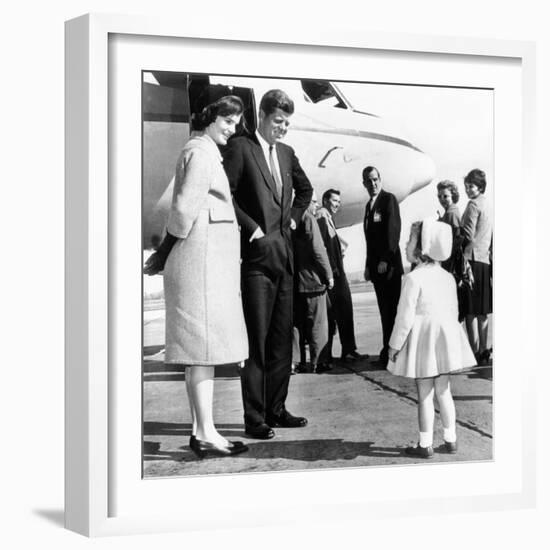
(340, 306)
(384, 267)
(264, 174)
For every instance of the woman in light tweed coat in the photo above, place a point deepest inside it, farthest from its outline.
(204, 316)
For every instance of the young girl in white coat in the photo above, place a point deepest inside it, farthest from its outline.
(427, 341)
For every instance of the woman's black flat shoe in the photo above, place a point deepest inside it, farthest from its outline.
(203, 448)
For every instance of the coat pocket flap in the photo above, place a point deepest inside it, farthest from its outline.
(222, 213)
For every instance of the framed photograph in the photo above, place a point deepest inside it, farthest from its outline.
(421, 110)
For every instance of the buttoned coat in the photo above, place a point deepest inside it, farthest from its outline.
(478, 230)
(427, 334)
(204, 314)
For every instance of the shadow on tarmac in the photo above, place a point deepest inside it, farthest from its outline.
(158, 371)
(311, 450)
(184, 429)
(488, 398)
(485, 373)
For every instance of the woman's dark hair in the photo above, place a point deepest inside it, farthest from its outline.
(477, 178)
(225, 106)
(451, 186)
(276, 99)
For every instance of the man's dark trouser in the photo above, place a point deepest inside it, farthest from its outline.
(267, 304)
(387, 294)
(340, 312)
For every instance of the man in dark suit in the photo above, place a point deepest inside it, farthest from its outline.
(384, 267)
(263, 173)
(340, 306)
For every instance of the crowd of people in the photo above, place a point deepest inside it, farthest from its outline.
(253, 273)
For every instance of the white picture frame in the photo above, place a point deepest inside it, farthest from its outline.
(94, 444)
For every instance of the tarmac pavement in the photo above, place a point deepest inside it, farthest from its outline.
(358, 415)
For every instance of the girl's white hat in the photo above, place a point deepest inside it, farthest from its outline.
(437, 239)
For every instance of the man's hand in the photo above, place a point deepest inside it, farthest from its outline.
(366, 274)
(258, 234)
(382, 268)
(330, 283)
(392, 354)
(292, 224)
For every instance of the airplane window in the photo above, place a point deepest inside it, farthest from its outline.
(321, 91)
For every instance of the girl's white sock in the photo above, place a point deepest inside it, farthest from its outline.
(449, 434)
(426, 439)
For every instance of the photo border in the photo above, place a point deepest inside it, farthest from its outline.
(88, 394)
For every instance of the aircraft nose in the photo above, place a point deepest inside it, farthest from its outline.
(424, 173)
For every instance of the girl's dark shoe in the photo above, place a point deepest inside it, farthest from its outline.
(203, 448)
(420, 452)
(451, 447)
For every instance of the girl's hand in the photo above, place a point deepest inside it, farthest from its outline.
(392, 354)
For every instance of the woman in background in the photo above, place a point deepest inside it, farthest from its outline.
(477, 228)
(448, 195)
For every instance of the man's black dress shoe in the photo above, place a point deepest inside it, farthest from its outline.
(287, 420)
(203, 448)
(352, 356)
(323, 367)
(261, 431)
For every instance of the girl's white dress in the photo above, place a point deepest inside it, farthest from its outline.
(426, 330)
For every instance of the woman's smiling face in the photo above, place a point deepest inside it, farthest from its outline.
(445, 198)
(472, 190)
(223, 128)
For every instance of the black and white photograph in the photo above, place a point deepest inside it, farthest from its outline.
(317, 274)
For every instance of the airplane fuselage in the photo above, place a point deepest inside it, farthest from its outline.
(333, 145)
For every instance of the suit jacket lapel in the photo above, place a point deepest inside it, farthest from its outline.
(259, 157)
(378, 203)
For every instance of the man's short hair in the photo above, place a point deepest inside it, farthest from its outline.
(276, 99)
(328, 193)
(369, 169)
